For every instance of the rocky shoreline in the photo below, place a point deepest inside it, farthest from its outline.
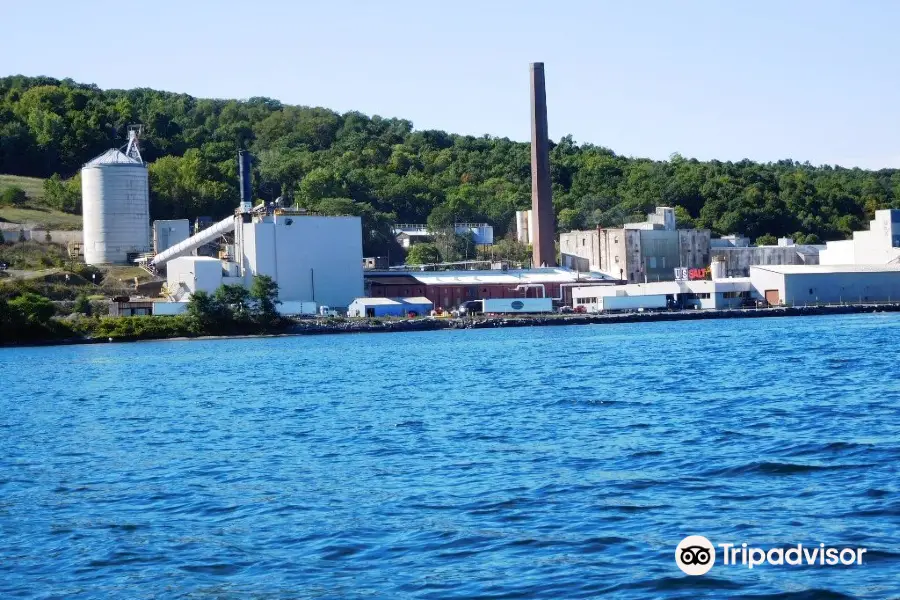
(342, 326)
(435, 324)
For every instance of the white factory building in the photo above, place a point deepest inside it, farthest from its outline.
(315, 260)
(879, 245)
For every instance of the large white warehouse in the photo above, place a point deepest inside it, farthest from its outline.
(313, 259)
(115, 206)
(799, 285)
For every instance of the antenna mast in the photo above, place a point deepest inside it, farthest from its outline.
(132, 149)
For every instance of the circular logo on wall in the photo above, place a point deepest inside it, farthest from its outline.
(695, 555)
(517, 304)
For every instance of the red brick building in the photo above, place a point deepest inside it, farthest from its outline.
(448, 289)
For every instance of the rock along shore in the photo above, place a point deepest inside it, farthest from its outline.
(434, 324)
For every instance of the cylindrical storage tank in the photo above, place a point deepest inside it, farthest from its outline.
(115, 201)
(717, 268)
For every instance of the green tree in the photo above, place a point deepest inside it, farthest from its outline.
(234, 298)
(13, 196)
(766, 240)
(204, 311)
(64, 195)
(82, 305)
(423, 254)
(264, 295)
(33, 308)
(570, 219)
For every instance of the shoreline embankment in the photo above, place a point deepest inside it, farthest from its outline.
(490, 322)
(384, 325)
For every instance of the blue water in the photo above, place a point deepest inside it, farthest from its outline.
(556, 462)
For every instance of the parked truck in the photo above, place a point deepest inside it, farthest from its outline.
(518, 305)
(653, 301)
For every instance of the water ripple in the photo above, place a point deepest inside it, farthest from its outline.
(562, 462)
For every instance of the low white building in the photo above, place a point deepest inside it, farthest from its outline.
(722, 293)
(799, 285)
(187, 274)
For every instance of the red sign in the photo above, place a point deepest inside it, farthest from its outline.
(695, 274)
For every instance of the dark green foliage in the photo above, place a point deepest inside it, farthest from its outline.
(12, 196)
(204, 312)
(234, 299)
(423, 254)
(32, 308)
(82, 305)
(264, 295)
(385, 172)
(63, 195)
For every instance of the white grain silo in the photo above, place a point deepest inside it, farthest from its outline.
(115, 205)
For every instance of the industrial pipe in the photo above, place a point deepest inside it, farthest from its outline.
(204, 237)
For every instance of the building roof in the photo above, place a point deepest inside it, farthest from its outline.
(400, 279)
(417, 300)
(377, 301)
(812, 269)
(112, 156)
(731, 284)
(498, 277)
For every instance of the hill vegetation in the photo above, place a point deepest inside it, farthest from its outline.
(385, 171)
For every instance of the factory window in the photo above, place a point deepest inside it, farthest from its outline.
(616, 240)
(810, 291)
(583, 241)
(695, 296)
(617, 259)
(745, 294)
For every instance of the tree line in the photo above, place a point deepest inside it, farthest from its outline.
(29, 316)
(385, 171)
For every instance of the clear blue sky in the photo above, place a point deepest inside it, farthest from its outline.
(759, 79)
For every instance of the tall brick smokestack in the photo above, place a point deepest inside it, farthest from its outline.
(544, 253)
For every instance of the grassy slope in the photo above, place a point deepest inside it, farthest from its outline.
(33, 186)
(33, 214)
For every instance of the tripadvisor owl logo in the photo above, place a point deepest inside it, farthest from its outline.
(695, 555)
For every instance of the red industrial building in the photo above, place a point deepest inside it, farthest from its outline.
(448, 289)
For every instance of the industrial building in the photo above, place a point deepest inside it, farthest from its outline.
(879, 245)
(449, 289)
(390, 307)
(408, 235)
(168, 233)
(737, 255)
(725, 293)
(287, 247)
(637, 252)
(799, 285)
(116, 205)
(313, 259)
